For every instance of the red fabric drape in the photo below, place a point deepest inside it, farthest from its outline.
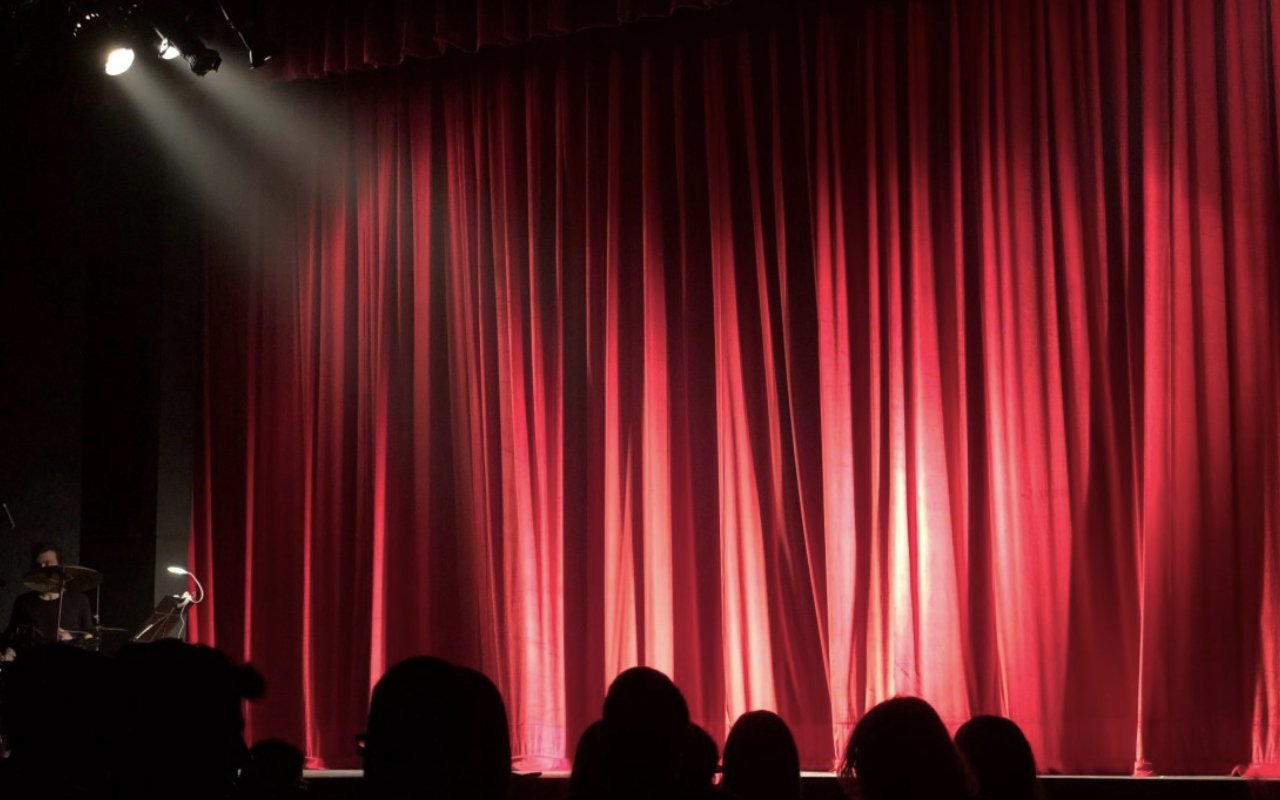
(924, 348)
(337, 37)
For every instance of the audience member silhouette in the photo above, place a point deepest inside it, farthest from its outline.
(1000, 758)
(52, 703)
(436, 731)
(699, 757)
(900, 750)
(486, 768)
(274, 772)
(179, 726)
(645, 719)
(761, 761)
(589, 779)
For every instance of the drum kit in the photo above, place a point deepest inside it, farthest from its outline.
(71, 578)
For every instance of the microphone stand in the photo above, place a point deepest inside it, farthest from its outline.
(97, 618)
(62, 593)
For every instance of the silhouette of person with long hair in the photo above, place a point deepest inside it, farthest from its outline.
(761, 761)
(589, 779)
(1000, 758)
(486, 768)
(436, 730)
(645, 720)
(900, 750)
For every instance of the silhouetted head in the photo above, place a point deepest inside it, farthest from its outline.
(412, 738)
(274, 771)
(1000, 758)
(589, 779)
(760, 758)
(52, 704)
(698, 760)
(487, 766)
(436, 730)
(180, 712)
(645, 718)
(900, 750)
(45, 554)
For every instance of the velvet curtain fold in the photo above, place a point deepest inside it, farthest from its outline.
(811, 357)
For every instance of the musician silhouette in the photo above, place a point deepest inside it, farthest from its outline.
(35, 616)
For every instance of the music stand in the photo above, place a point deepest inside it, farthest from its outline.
(166, 621)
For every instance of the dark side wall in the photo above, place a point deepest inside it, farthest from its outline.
(42, 327)
(95, 362)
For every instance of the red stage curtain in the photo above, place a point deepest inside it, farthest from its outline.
(341, 36)
(881, 348)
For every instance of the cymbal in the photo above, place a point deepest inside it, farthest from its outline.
(71, 578)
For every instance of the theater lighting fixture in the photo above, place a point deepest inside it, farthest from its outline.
(177, 35)
(163, 28)
(204, 61)
(100, 36)
(119, 60)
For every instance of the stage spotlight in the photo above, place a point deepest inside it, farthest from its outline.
(177, 35)
(119, 60)
(259, 47)
(104, 38)
(149, 27)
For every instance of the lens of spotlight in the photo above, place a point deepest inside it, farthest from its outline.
(168, 51)
(119, 60)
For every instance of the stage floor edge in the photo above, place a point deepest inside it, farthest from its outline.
(343, 784)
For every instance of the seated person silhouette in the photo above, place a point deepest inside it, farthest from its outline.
(273, 772)
(761, 761)
(34, 619)
(435, 730)
(589, 779)
(1000, 759)
(900, 750)
(645, 723)
(699, 758)
(53, 719)
(179, 724)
